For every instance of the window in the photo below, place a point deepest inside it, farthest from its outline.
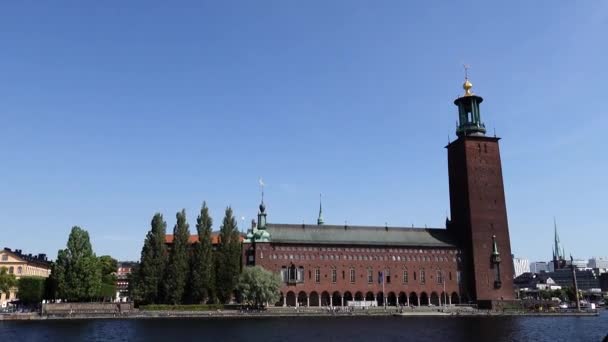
(11, 270)
(422, 277)
(388, 276)
(343, 275)
(439, 277)
(334, 275)
(309, 274)
(370, 276)
(317, 275)
(4, 257)
(19, 270)
(405, 276)
(352, 275)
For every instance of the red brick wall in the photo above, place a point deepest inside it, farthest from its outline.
(318, 256)
(478, 210)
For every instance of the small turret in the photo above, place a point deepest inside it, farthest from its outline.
(469, 117)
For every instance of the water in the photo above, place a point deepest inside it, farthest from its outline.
(341, 329)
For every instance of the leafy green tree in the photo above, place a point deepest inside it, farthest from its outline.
(31, 290)
(557, 293)
(202, 282)
(545, 294)
(147, 283)
(108, 266)
(228, 257)
(178, 266)
(78, 270)
(7, 280)
(258, 286)
(134, 289)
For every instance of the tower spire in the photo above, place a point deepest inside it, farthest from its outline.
(320, 218)
(468, 110)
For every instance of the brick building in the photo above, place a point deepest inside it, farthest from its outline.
(339, 265)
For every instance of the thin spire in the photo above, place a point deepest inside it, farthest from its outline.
(320, 219)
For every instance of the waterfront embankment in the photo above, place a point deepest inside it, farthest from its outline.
(105, 312)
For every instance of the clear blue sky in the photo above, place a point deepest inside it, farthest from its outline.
(112, 111)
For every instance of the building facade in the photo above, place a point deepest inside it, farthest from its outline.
(22, 265)
(123, 272)
(520, 266)
(539, 266)
(338, 265)
(598, 262)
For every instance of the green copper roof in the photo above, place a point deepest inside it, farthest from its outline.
(359, 235)
(494, 246)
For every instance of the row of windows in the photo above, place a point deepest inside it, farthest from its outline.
(361, 257)
(11, 270)
(29, 271)
(362, 250)
(293, 274)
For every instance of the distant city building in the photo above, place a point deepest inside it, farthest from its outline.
(580, 264)
(604, 282)
(22, 265)
(533, 282)
(601, 263)
(539, 266)
(122, 279)
(586, 279)
(521, 266)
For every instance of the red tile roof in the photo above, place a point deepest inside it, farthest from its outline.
(215, 238)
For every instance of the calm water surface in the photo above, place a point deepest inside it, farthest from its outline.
(341, 329)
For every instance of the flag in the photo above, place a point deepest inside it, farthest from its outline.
(261, 181)
(380, 277)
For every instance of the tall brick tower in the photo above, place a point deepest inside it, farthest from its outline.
(477, 205)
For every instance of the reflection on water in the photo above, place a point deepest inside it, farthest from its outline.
(341, 329)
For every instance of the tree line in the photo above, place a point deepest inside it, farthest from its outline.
(185, 272)
(77, 275)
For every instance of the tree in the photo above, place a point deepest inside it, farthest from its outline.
(31, 290)
(228, 257)
(108, 266)
(258, 286)
(202, 283)
(78, 272)
(147, 285)
(178, 266)
(7, 280)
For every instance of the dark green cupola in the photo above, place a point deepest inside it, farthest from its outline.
(469, 117)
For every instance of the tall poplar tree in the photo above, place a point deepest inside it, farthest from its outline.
(202, 279)
(152, 265)
(228, 257)
(178, 266)
(78, 269)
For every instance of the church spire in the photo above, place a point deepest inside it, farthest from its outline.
(558, 249)
(469, 117)
(320, 219)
